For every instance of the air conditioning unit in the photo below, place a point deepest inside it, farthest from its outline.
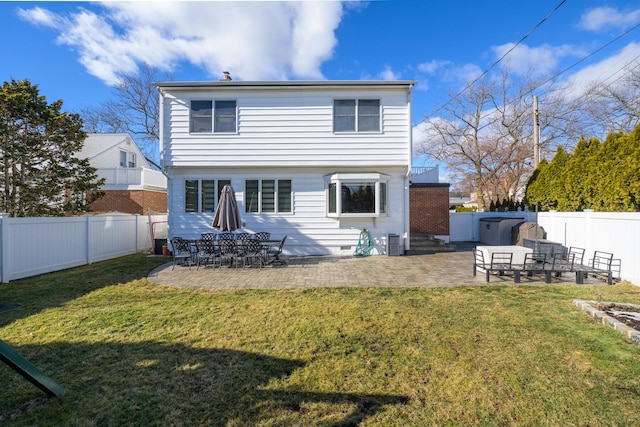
(393, 245)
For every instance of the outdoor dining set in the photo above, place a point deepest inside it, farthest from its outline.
(228, 249)
(519, 260)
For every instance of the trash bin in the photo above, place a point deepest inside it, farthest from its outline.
(157, 246)
(393, 245)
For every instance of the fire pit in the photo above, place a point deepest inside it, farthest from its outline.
(622, 317)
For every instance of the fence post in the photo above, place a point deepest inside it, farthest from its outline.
(137, 216)
(88, 237)
(4, 244)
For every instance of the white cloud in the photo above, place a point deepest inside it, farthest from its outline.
(41, 17)
(433, 66)
(389, 74)
(543, 59)
(606, 71)
(253, 40)
(603, 18)
(462, 73)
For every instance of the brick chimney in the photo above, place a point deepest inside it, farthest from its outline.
(226, 76)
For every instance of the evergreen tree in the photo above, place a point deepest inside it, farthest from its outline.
(600, 176)
(39, 173)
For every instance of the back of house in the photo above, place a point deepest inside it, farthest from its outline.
(316, 161)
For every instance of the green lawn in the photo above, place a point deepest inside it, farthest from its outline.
(131, 352)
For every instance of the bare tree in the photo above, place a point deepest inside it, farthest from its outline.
(485, 134)
(614, 106)
(134, 109)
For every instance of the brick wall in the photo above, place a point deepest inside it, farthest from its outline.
(131, 201)
(429, 208)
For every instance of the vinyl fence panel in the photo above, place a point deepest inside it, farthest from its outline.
(614, 232)
(33, 246)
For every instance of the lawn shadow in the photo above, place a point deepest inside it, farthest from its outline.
(31, 295)
(151, 383)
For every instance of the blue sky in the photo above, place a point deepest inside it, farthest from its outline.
(73, 50)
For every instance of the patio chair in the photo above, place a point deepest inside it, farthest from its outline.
(252, 252)
(534, 263)
(225, 236)
(208, 236)
(206, 252)
(501, 262)
(228, 251)
(262, 235)
(181, 252)
(274, 252)
(578, 254)
(242, 236)
(478, 261)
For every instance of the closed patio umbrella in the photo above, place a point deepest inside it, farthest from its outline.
(227, 216)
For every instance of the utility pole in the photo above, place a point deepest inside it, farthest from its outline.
(536, 134)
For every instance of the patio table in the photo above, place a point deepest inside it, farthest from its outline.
(518, 252)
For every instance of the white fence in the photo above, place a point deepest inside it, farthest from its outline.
(32, 246)
(617, 233)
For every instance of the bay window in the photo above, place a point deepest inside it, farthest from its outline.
(356, 194)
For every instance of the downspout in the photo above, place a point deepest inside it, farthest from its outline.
(162, 159)
(407, 176)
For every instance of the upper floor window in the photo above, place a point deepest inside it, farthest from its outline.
(268, 195)
(127, 160)
(202, 195)
(356, 115)
(213, 117)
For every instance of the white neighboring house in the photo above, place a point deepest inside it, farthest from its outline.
(130, 182)
(317, 161)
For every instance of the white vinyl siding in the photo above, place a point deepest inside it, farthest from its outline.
(309, 230)
(295, 130)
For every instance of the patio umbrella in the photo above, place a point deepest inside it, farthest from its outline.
(227, 217)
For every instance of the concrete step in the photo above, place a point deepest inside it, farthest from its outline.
(422, 243)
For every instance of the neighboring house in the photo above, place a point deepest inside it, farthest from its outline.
(317, 161)
(131, 185)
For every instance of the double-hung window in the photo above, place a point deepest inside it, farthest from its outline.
(127, 160)
(357, 194)
(268, 196)
(202, 195)
(213, 116)
(356, 115)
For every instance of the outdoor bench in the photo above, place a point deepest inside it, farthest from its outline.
(501, 262)
(559, 264)
(599, 265)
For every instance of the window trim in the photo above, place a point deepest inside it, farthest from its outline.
(276, 197)
(377, 179)
(213, 117)
(200, 195)
(191, 116)
(128, 156)
(216, 116)
(356, 116)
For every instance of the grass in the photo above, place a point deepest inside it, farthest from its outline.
(130, 352)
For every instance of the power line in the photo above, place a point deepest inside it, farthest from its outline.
(587, 57)
(502, 57)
